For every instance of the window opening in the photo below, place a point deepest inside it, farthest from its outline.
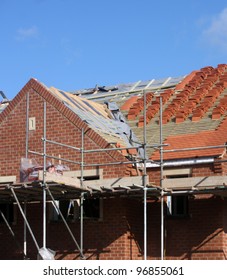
(177, 205)
(70, 209)
(92, 208)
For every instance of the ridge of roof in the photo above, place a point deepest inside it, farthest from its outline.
(118, 92)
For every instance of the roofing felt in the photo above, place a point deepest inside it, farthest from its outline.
(99, 117)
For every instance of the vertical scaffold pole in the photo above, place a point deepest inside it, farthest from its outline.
(27, 125)
(26, 155)
(82, 194)
(145, 176)
(161, 180)
(82, 222)
(44, 174)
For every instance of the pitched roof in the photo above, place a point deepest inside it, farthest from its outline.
(194, 111)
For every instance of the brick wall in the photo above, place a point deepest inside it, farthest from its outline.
(58, 128)
(120, 234)
(225, 228)
(200, 236)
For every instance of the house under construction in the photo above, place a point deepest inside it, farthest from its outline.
(131, 171)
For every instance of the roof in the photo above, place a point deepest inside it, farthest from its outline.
(194, 111)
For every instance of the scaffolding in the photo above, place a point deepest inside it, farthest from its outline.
(42, 189)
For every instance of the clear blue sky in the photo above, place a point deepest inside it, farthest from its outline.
(76, 44)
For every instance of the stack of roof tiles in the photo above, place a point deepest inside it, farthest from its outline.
(199, 97)
(193, 96)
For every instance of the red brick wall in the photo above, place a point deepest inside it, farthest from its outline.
(120, 234)
(225, 228)
(205, 170)
(12, 146)
(116, 236)
(58, 128)
(198, 170)
(200, 236)
(104, 239)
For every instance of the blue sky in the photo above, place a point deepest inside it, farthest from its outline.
(76, 44)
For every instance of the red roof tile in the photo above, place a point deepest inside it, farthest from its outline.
(129, 102)
(181, 85)
(202, 95)
(202, 139)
